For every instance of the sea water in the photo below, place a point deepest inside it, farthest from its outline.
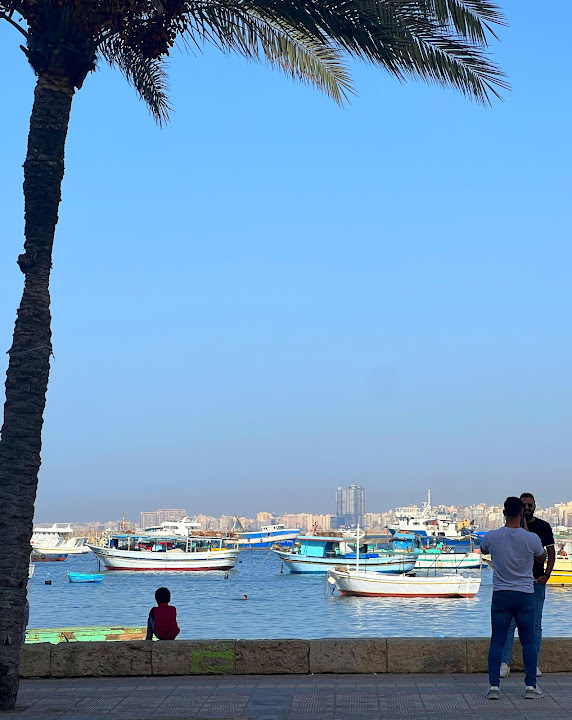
(279, 604)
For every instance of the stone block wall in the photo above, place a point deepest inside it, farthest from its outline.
(271, 657)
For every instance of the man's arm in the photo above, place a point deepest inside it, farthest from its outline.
(543, 579)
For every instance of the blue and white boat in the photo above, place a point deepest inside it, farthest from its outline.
(266, 537)
(320, 553)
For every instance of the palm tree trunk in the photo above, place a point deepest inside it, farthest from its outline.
(29, 367)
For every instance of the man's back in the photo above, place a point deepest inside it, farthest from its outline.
(512, 551)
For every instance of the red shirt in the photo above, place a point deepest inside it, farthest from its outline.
(165, 619)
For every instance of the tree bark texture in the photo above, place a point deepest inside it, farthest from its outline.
(29, 367)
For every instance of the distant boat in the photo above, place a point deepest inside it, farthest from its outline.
(319, 553)
(57, 538)
(430, 523)
(373, 584)
(155, 551)
(267, 536)
(48, 556)
(85, 577)
(31, 569)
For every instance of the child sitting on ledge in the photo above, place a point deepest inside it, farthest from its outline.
(162, 621)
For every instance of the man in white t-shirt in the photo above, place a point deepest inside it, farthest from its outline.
(513, 551)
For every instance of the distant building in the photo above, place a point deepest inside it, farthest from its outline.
(170, 515)
(350, 506)
(147, 519)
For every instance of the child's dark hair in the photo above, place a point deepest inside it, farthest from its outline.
(162, 595)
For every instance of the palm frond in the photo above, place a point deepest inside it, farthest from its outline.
(468, 18)
(300, 54)
(146, 75)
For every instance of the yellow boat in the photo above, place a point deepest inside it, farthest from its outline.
(562, 572)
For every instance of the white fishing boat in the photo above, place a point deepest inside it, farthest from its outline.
(371, 584)
(57, 539)
(154, 551)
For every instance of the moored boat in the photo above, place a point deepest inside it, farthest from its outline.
(57, 538)
(170, 553)
(267, 536)
(438, 555)
(430, 523)
(319, 553)
(75, 577)
(371, 584)
(51, 556)
(562, 572)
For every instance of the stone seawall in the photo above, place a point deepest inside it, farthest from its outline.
(268, 657)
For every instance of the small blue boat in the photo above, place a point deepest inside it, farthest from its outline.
(85, 577)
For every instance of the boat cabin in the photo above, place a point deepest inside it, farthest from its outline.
(158, 543)
(330, 547)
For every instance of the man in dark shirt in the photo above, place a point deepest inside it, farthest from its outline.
(540, 574)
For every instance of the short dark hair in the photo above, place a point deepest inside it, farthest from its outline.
(162, 595)
(512, 507)
(530, 495)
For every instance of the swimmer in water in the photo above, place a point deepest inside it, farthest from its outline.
(245, 597)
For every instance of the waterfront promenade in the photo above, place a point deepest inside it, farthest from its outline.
(292, 697)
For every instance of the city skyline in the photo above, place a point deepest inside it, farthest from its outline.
(476, 511)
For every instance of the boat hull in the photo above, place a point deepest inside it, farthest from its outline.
(368, 584)
(38, 556)
(562, 573)
(85, 577)
(307, 564)
(169, 561)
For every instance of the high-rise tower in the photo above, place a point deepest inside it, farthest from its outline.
(350, 505)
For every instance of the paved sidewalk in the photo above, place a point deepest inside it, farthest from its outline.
(292, 697)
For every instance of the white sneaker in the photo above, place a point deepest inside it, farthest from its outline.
(532, 693)
(504, 669)
(538, 672)
(494, 692)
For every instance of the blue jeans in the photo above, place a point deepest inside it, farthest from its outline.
(506, 606)
(539, 595)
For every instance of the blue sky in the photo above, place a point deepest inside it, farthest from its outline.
(273, 296)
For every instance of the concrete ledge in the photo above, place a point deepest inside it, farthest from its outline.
(345, 655)
(267, 657)
(97, 659)
(193, 657)
(426, 655)
(35, 660)
(272, 657)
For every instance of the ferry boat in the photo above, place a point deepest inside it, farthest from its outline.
(155, 551)
(319, 553)
(57, 539)
(429, 523)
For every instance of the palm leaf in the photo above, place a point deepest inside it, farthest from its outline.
(146, 75)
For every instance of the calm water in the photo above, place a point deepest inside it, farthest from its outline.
(278, 605)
